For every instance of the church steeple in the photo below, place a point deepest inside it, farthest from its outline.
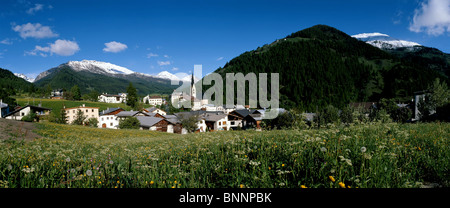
(193, 90)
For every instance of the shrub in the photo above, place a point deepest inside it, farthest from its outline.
(129, 123)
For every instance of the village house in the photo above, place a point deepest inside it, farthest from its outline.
(155, 124)
(153, 100)
(57, 94)
(126, 114)
(89, 112)
(106, 98)
(4, 109)
(20, 112)
(245, 118)
(108, 118)
(155, 110)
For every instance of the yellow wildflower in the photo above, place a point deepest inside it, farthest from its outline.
(331, 178)
(303, 186)
(342, 185)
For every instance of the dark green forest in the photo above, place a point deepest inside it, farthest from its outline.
(321, 65)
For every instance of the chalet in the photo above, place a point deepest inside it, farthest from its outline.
(4, 109)
(153, 123)
(244, 118)
(89, 112)
(106, 98)
(125, 114)
(20, 112)
(216, 121)
(174, 125)
(108, 118)
(154, 110)
(57, 94)
(153, 100)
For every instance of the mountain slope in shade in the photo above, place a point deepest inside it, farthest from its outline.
(321, 65)
(384, 41)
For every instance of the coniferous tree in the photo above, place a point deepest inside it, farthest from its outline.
(132, 98)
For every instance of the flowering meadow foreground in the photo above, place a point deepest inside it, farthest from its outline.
(370, 155)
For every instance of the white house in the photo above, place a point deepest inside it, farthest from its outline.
(153, 100)
(4, 109)
(155, 110)
(89, 112)
(21, 112)
(106, 98)
(108, 118)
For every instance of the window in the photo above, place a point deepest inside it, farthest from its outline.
(232, 123)
(23, 114)
(73, 111)
(224, 123)
(110, 124)
(86, 110)
(92, 110)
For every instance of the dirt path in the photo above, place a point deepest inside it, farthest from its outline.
(17, 130)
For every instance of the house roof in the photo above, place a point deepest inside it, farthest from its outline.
(214, 117)
(80, 107)
(245, 112)
(3, 105)
(148, 121)
(109, 110)
(35, 108)
(130, 113)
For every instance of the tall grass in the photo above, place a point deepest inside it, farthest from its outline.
(377, 155)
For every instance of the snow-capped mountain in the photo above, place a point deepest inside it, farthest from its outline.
(384, 41)
(23, 76)
(112, 70)
(181, 76)
(91, 65)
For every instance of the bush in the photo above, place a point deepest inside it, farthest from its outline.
(93, 122)
(129, 123)
(30, 117)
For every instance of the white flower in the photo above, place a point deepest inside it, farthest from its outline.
(89, 172)
(68, 159)
(363, 149)
(9, 167)
(111, 162)
(323, 149)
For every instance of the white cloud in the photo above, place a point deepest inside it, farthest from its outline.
(34, 31)
(163, 63)
(152, 55)
(433, 17)
(6, 41)
(175, 69)
(37, 7)
(220, 58)
(64, 47)
(166, 56)
(114, 47)
(59, 47)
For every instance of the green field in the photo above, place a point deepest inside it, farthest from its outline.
(57, 105)
(360, 156)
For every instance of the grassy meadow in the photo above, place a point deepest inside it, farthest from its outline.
(360, 156)
(57, 105)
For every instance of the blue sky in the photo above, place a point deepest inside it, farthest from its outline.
(155, 36)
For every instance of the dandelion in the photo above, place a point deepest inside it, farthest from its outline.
(89, 172)
(342, 185)
(363, 149)
(331, 178)
(282, 165)
(303, 186)
(241, 186)
(68, 159)
(111, 162)
(152, 182)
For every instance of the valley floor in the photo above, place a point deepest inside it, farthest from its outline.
(364, 156)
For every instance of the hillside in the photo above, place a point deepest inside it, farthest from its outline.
(322, 65)
(66, 77)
